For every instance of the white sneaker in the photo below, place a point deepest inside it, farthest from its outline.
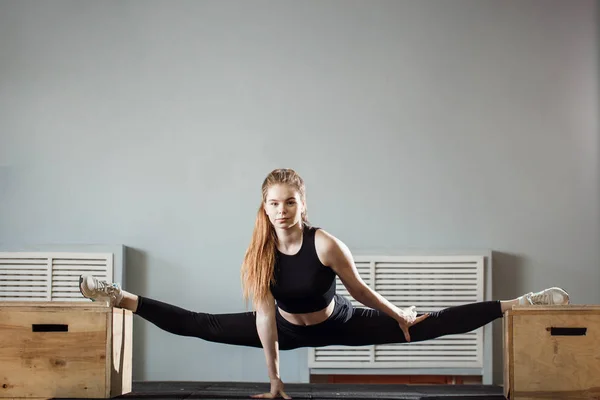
(550, 296)
(95, 289)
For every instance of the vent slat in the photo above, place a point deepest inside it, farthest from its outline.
(347, 349)
(21, 267)
(425, 296)
(344, 359)
(73, 273)
(447, 359)
(442, 264)
(78, 267)
(431, 287)
(441, 292)
(73, 278)
(438, 353)
(423, 270)
(443, 281)
(57, 262)
(24, 298)
(24, 261)
(439, 342)
(24, 293)
(30, 283)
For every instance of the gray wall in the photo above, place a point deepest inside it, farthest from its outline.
(417, 125)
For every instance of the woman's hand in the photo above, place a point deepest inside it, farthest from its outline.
(276, 391)
(406, 318)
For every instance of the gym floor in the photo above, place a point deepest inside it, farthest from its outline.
(243, 390)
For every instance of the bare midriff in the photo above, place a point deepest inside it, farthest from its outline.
(307, 319)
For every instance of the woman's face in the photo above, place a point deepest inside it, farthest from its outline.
(283, 206)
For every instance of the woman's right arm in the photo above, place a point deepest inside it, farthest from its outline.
(266, 327)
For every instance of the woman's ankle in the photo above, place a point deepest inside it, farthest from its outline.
(508, 304)
(129, 302)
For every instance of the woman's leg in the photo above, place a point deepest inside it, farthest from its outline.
(236, 329)
(367, 326)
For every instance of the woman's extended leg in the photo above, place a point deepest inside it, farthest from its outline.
(368, 326)
(236, 329)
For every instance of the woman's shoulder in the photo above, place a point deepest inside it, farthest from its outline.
(327, 245)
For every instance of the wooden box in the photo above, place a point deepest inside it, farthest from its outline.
(64, 349)
(552, 352)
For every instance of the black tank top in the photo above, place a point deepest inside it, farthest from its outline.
(302, 283)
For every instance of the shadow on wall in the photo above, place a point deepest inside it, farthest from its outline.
(136, 278)
(507, 283)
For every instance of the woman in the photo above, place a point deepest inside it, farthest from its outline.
(289, 272)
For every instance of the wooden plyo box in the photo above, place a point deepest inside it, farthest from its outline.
(552, 352)
(64, 349)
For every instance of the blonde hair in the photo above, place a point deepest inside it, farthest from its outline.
(259, 260)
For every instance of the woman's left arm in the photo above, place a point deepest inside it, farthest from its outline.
(335, 254)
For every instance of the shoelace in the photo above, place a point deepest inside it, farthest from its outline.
(106, 288)
(540, 298)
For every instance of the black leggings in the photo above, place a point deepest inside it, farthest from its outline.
(347, 325)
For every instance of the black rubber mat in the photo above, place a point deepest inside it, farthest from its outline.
(243, 390)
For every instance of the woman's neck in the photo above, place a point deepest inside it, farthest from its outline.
(289, 240)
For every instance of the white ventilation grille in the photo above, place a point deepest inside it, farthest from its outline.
(43, 276)
(431, 283)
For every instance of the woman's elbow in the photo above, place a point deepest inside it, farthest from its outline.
(265, 316)
(359, 293)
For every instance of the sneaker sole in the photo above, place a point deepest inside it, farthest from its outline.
(81, 291)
